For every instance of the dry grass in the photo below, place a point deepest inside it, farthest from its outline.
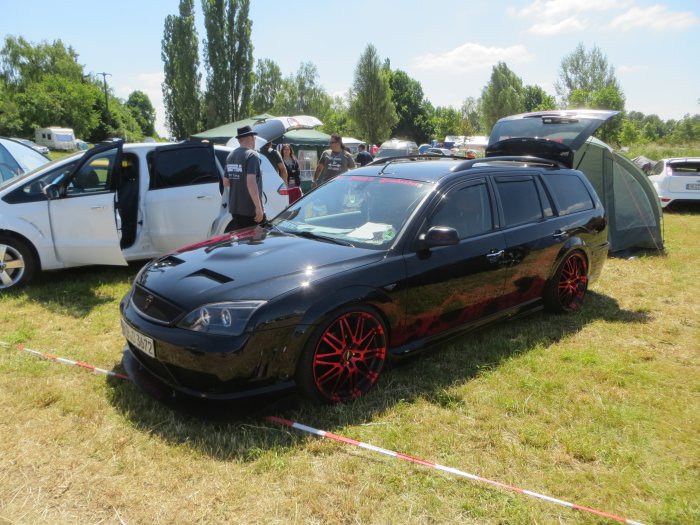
(600, 408)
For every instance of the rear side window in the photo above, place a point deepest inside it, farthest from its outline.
(520, 200)
(171, 168)
(570, 194)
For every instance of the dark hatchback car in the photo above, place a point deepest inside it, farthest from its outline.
(368, 268)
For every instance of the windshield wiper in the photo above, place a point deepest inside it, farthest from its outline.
(312, 235)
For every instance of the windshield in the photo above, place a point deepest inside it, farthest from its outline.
(359, 210)
(46, 167)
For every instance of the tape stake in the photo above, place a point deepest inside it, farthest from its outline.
(449, 470)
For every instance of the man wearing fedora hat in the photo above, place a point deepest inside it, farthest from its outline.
(244, 178)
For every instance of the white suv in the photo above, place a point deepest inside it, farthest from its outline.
(117, 203)
(677, 180)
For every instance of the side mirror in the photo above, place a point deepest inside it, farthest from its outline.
(438, 236)
(51, 191)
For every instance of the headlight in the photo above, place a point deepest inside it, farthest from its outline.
(221, 318)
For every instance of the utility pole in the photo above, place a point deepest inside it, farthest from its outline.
(104, 80)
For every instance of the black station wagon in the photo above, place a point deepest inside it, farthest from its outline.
(372, 266)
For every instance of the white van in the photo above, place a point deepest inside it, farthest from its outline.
(55, 138)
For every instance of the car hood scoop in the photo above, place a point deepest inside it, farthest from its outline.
(257, 268)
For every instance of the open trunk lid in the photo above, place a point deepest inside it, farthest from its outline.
(554, 135)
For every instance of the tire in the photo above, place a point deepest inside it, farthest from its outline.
(17, 263)
(344, 356)
(567, 287)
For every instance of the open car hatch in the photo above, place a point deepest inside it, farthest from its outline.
(554, 135)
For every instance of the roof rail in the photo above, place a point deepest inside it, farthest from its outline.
(523, 159)
(414, 157)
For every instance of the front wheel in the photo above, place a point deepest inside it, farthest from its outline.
(344, 357)
(567, 287)
(17, 263)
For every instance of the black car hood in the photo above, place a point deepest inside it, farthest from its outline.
(259, 267)
(552, 135)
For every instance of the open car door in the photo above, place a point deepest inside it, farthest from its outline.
(82, 210)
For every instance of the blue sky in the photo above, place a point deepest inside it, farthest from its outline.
(449, 48)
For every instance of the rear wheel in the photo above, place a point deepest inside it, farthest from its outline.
(568, 286)
(344, 357)
(17, 263)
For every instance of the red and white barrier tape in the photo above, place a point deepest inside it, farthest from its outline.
(367, 446)
(450, 470)
(70, 362)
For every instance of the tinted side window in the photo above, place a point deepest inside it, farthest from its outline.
(172, 168)
(658, 168)
(570, 194)
(520, 201)
(466, 209)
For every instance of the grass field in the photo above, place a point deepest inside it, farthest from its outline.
(600, 408)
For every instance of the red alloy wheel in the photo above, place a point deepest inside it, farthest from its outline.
(573, 282)
(349, 356)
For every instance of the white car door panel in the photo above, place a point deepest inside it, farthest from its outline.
(181, 215)
(84, 229)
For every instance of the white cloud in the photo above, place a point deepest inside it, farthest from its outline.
(656, 18)
(630, 69)
(568, 25)
(470, 57)
(563, 16)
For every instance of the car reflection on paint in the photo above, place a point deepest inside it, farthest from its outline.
(367, 269)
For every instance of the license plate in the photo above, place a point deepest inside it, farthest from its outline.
(140, 341)
(692, 186)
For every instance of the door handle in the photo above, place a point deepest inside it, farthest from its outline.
(560, 235)
(204, 197)
(494, 257)
(98, 207)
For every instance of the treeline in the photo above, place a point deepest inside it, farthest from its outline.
(44, 85)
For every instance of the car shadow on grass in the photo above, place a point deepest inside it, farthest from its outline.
(228, 431)
(77, 291)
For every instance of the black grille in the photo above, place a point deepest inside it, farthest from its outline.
(154, 307)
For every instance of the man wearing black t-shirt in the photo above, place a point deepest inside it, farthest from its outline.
(244, 180)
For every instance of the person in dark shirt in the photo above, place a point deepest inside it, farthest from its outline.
(244, 180)
(275, 159)
(293, 173)
(363, 157)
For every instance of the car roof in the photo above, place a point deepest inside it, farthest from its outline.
(406, 168)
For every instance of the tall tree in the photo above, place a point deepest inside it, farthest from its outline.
(411, 108)
(181, 91)
(228, 58)
(536, 99)
(268, 82)
(143, 112)
(447, 121)
(502, 96)
(301, 93)
(371, 106)
(471, 118)
(587, 80)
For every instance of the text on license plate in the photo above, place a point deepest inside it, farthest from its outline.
(140, 341)
(692, 186)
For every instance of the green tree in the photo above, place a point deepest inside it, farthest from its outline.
(629, 133)
(228, 59)
(268, 82)
(371, 106)
(447, 121)
(180, 54)
(471, 118)
(502, 96)
(143, 112)
(586, 80)
(301, 94)
(337, 119)
(536, 99)
(411, 108)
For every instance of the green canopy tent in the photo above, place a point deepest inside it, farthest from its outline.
(222, 134)
(633, 208)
